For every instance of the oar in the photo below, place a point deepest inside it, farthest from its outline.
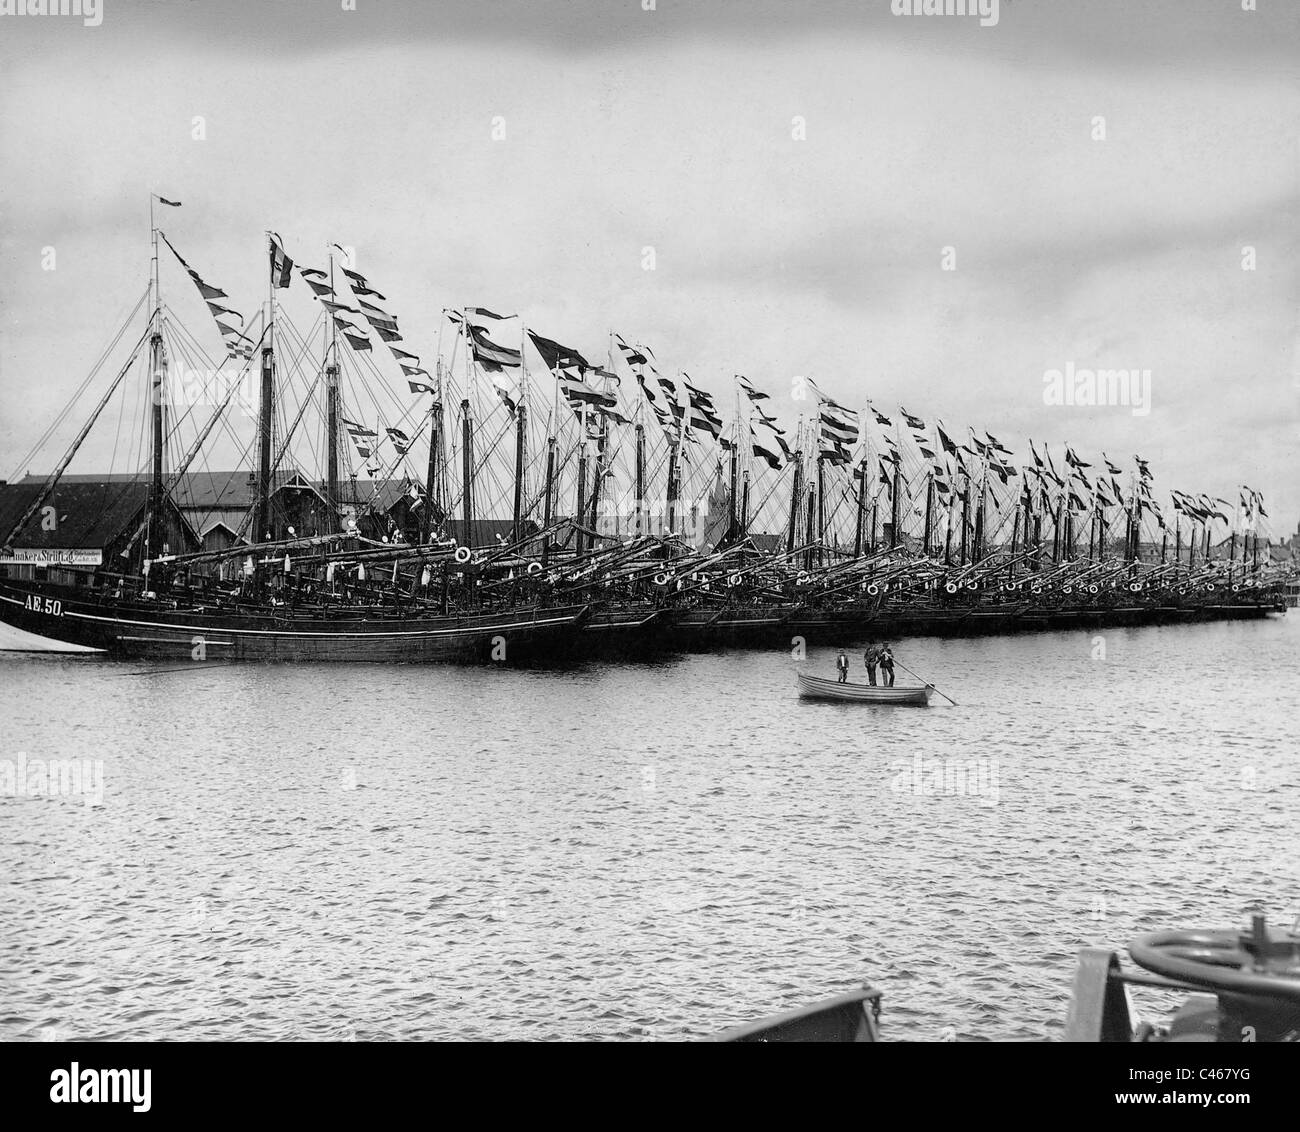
(927, 684)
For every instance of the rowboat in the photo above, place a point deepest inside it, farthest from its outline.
(819, 688)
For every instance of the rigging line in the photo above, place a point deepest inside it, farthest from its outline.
(308, 400)
(58, 420)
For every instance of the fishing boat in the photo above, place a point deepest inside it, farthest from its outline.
(1241, 987)
(820, 688)
(516, 497)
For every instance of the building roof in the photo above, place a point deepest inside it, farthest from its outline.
(85, 514)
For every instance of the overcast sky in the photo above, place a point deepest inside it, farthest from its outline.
(672, 129)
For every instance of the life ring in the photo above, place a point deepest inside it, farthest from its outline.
(661, 579)
(463, 554)
(951, 587)
(1036, 590)
(733, 579)
(1182, 589)
(534, 567)
(972, 585)
(1067, 589)
(1092, 589)
(873, 589)
(1135, 587)
(802, 579)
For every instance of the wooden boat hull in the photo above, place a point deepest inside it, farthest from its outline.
(852, 1017)
(819, 688)
(153, 631)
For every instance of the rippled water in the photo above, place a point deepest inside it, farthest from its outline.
(649, 851)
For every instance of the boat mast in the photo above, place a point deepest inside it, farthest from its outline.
(821, 506)
(929, 511)
(433, 495)
(674, 453)
(154, 540)
(965, 517)
(796, 491)
(639, 500)
(521, 456)
(262, 531)
(861, 508)
(547, 502)
(467, 471)
(521, 442)
(744, 505)
(810, 538)
(602, 442)
(732, 501)
(893, 506)
(579, 508)
(332, 411)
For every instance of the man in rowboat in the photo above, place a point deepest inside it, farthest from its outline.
(887, 665)
(842, 663)
(871, 659)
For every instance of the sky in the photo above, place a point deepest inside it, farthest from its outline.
(803, 171)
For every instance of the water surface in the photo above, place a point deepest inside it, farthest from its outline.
(633, 851)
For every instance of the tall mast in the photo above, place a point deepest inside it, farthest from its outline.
(732, 502)
(521, 441)
(861, 507)
(602, 443)
(929, 512)
(433, 494)
(796, 490)
(810, 537)
(579, 508)
(639, 473)
(332, 413)
(821, 507)
(262, 531)
(674, 454)
(467, 465)
(893, 505)
(547, 503)
(154, 542)
(965, 517)
(521, 456)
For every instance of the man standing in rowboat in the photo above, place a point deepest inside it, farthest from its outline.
(887, 665)
(872, 658)
(842, 663)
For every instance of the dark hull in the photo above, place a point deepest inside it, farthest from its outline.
(152, 631)
(775, 626)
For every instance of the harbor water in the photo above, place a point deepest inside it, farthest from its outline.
(647, 851)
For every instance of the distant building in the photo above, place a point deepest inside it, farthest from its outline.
(96, 522)
(86, 524)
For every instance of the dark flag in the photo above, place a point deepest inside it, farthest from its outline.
(557, 356)
(359, 285)
(634, 356)
(281, 264)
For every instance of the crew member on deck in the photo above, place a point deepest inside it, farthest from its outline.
(872, 658)
(887, 665)
(842, 663)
